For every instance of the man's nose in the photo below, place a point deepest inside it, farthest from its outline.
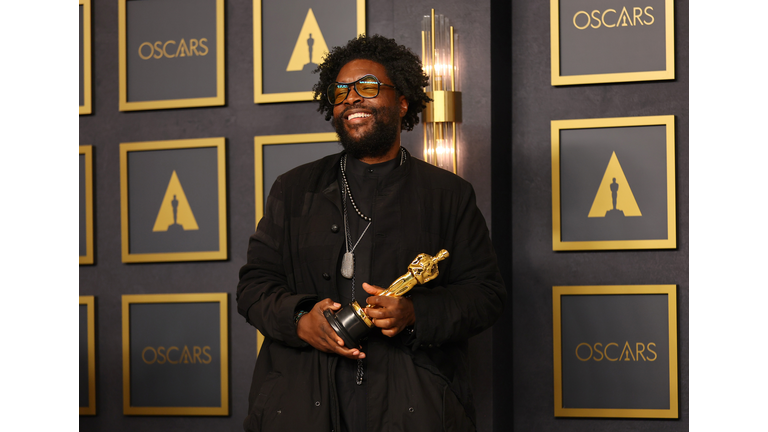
(353, 97)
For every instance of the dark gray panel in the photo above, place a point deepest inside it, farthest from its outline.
(584, 156)
(281, 158)
(83, 355)
(240, 120)
(524, 334)
(637, 44)
(639, 379)
(82, 59)
(149, 174)
(188, 74)
(194, 380)
(282, 21)
(83, 224)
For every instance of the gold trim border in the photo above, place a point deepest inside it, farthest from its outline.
(220, 298)
(558, 80)
(220, 254)
(89, 302)
(671, 241)
(258, 88)
(217, 100)
(87, 107)
(264, 140)
(671, 292)
(87, 151)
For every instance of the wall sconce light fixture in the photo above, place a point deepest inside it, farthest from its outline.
(440, 118)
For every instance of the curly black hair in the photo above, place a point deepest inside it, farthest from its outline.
(403, 68)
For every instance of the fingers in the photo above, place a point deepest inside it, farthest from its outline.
(391, 332)
(330, 336)
(335, 344)
(372, 289)
(384, 307)
(385, 323)
(327, 304)
(314, 329)
(391, 314)
(353, 354)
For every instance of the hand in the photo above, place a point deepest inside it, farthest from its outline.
(390, 314)
(314, 329)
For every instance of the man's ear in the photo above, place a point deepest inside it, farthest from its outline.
(403, 106)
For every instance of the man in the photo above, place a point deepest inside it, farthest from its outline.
(339, 229)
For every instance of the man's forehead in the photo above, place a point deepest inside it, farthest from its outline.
(356, 69)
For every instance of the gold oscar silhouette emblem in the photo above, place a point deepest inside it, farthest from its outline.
(352, 323)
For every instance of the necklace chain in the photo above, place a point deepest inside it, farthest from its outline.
(348, 262)
(348, 242)
(346, 188)
(349, 192)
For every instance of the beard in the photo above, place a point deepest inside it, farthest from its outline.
(376, 142)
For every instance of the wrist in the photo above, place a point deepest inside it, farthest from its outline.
(297, 316)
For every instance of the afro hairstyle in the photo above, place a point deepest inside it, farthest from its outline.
(402, 66)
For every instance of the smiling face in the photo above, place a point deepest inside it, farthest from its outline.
(369, 129)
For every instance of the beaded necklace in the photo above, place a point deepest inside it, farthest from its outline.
(348, 261)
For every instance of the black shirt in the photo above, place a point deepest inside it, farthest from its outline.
(364, 183)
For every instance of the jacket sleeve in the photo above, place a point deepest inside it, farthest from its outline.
(472, 293)
(266, 294)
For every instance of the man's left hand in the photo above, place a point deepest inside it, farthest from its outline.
(390, 314)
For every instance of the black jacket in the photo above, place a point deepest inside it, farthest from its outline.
(417, 381)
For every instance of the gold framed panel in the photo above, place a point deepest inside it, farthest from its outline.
(125, 105)
(258, 62)
(670, 242)
(87, 108)
(266, 140)
(667, 74)
(220, 298)
(89, 302)
(87, 151)
(258, 151)
(671, 292)
(221, 253)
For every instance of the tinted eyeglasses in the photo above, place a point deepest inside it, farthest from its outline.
(367, 87)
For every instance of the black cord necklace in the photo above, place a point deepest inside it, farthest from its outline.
(348, 261)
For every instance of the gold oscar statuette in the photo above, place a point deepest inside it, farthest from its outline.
(352, 323)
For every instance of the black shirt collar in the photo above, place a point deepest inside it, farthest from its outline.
(362, 169)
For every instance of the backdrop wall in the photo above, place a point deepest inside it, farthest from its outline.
(524, 334)
(515, 58)
(239, 121)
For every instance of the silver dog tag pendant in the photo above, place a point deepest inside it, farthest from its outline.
(348, 265)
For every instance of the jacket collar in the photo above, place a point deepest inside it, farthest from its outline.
(329, 178)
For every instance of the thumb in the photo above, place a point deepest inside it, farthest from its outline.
(372, 289)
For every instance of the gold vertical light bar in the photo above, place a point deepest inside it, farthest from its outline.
(438, 56)
(435, 86)
(453, 79)
(432, 52)
(424, 59)
(453, 123)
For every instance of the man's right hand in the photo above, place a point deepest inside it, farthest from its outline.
(314, 329)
